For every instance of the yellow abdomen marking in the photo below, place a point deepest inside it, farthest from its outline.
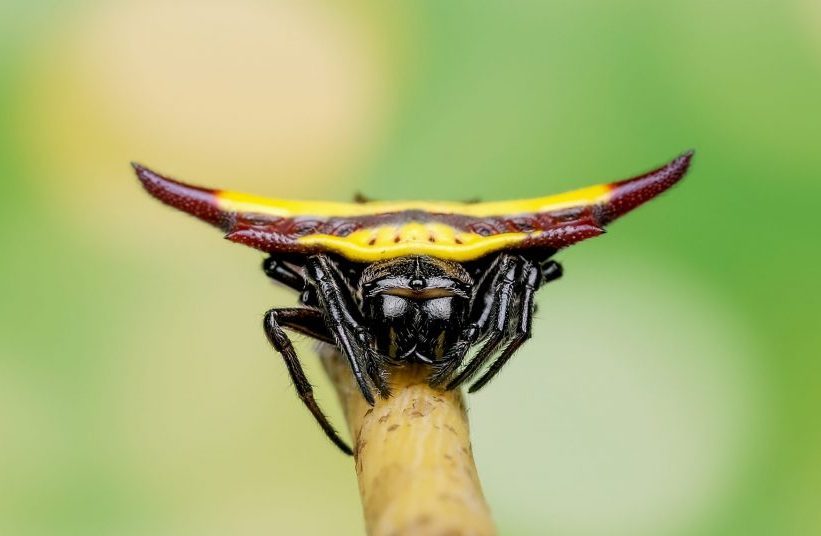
(238, 202)
(413, 238)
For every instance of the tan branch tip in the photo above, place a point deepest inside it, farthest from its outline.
(413, 456)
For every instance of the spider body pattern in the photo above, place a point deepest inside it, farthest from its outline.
(393, 283)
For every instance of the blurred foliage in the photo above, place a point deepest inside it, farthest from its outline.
(137, 393)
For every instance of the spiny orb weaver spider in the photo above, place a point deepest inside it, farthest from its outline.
(390, 283)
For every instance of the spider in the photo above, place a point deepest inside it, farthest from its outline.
(393, 283)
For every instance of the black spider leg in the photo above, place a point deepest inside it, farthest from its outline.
(363, 336)
(551, 271)
(291, 278)
(503, 309)
(282, 273)
(373, 362)
(309, 322)
(483, 303)
(533, 276)
(530, 278)
(345, 328)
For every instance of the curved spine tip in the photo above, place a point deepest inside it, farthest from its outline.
(629, 194)
(195, 200)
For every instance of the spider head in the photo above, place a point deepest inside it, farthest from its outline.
(416, 306)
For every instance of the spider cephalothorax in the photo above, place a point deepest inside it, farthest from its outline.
(390, 283)
(414, 306)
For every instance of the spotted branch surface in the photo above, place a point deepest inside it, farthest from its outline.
(413, 457)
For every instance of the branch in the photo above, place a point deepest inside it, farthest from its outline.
(413, 456)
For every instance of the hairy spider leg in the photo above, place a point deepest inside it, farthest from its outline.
(503, 308)
(443, 370)
(484, 300)
(282, 273)
(309, 322)
(374, 362)
(322, 273)
(551, 271)
(481, 305)
(481, 302)
(531, 277)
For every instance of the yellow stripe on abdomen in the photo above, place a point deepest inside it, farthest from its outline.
(284, 208)
(413, 238)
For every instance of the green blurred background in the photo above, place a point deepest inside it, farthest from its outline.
(138, 394)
